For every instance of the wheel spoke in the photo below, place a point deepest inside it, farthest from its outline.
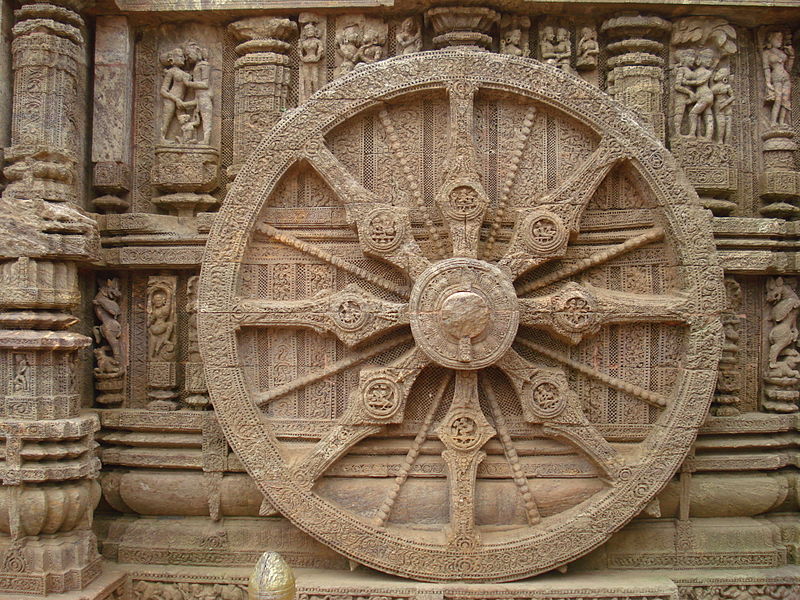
(547, 400)
(462, 199)
(656, 234)
(398, 150)
(510, 169)
(338, 262)
(350, 192)
(464, 431)
(380, 400)
(580, 310)
(435, 400)
(542, 233)
(520, 480)
(325, 372)
(635, 391)
(352, 314)
(384, 231)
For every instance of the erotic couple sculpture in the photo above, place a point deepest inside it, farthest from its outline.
(186, 94)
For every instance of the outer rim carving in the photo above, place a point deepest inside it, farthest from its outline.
(553, 543)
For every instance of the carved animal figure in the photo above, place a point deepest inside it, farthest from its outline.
(785, 306)
(107, 311)
(105, 363)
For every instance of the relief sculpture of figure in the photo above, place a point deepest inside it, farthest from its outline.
(723, 105)
(21, 375)
(563, 49)
(588, 50)
(547, 46)
(409, 37)
(197, 60)
(777, 59)
(349, 44)
(684, 80)
(160, 325)
(311, 47)
(173, 88)
(108, 333)
(371, 50)
(703, 96)
(511, 42)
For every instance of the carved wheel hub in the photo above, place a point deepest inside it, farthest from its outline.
(459, 316)
(463, 313)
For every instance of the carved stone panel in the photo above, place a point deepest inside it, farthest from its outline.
(460, 316)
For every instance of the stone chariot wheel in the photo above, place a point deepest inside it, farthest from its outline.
(459, 315)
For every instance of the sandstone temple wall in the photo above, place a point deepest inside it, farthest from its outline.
(504, 306)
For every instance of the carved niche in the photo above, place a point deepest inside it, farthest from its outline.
(418, 296)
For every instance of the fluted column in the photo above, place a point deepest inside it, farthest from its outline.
(48, 471)
(262, 80)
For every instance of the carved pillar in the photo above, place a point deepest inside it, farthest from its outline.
(779, 182)
(49, 465)
(635, 67)
(262, 80)
(702, 108)
(193, 376)
(729, 377)
(113, 104)
(459, 26)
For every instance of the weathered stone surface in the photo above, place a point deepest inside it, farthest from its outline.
(431, 288)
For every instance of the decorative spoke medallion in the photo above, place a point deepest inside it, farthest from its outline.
(458, 328)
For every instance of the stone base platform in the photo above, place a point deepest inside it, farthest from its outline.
(148, 582)
(112, 584)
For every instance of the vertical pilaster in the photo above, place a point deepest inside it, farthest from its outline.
(636, 65)
(262, 80)
(113, 105)
(779, 181)
(49, 461)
